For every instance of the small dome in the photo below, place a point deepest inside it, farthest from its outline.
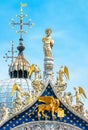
(19, 68)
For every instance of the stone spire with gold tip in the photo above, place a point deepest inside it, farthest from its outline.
(20, 67)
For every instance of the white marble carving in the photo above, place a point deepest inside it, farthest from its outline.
(46, 125)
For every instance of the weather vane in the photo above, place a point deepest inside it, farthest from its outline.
(12, 51)
(21, 23)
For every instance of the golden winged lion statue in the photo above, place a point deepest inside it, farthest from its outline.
(50, 104)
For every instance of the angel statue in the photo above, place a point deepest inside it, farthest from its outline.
(63, 72)
(36, 83)
(18, 102)
(79, 93)
(34, 68)
(48, 43)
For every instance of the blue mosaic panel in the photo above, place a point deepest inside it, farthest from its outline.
(24, 117)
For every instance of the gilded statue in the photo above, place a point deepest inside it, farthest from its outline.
(79, 93)
(50, 104)
(36, 83)
(36, 70)
(19, 102)
(62, 74)
(48, 43)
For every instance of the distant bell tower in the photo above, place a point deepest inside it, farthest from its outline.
(20, 67)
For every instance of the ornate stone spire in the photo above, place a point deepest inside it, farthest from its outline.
(20, 67)
(48, 58)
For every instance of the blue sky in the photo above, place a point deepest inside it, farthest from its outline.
(69, 22)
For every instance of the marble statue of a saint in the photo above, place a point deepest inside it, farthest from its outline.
(48, 43)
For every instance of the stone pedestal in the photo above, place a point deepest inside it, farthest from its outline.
(48, 67)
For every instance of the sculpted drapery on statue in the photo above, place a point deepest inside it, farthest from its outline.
(48, 43)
